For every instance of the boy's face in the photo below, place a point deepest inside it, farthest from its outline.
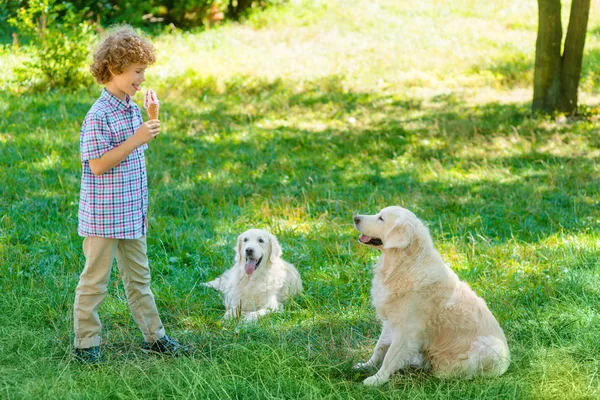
(127, 82)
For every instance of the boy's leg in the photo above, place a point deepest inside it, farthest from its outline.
(133, 265)
(99, 255)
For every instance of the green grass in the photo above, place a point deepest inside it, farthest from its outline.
(293, 121)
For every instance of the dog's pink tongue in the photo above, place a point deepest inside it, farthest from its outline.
(364, 238)
(250, 266)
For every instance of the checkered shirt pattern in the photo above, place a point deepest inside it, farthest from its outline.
(114, 204)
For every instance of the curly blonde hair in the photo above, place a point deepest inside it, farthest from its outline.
(122, 47)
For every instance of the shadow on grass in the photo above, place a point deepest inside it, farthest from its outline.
(301, 159)
(318, 144)
(242, 155)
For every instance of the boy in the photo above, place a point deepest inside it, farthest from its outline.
(114, 196)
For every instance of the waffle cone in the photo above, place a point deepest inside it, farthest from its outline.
(152, 111)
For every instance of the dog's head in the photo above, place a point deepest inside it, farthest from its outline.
(392, 227)
(256, 248)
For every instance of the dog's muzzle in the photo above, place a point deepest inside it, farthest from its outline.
(371, 241)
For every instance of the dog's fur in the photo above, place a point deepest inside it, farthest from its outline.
(430, 318)
(260, 280)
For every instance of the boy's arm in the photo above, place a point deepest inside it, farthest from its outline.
(146, 132)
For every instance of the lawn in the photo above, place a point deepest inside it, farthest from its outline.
(293, 121)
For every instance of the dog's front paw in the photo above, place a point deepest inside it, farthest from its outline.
(231, 314)
(364, 365)
(375, 380)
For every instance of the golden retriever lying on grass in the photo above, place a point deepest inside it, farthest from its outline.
(260, 280)
(430, 318)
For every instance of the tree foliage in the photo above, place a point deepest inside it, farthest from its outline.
(184, 14)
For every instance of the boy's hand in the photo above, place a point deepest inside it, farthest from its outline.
(148, 131)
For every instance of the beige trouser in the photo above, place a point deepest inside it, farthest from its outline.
(92, 288)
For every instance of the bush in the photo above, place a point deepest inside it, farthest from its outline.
(59, 33)
(59, 41)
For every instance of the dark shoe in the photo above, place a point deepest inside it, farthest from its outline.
(167, 346)
(90, 355)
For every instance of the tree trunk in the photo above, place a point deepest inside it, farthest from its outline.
(556, 76)
(235, 11)
(573, 55)
(546, 77)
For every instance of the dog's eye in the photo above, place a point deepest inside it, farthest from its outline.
(260, 241)
(245, 239)
(380, 218)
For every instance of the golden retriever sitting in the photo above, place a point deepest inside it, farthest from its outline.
(260, 280)
(430, 318)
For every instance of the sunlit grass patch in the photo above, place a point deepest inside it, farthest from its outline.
(556, 373)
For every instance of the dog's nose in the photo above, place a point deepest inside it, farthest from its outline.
(249, 251)
(356, 219)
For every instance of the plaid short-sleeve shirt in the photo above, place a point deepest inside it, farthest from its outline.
(114, 204)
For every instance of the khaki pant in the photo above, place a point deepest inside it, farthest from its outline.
(92, 288)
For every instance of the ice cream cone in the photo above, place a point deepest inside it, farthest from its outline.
(151, 104)
(152, 111)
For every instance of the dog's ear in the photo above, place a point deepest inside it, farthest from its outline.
(399, 236)
(275, 248)
(238, 250)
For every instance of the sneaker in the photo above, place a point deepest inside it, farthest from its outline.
(167, 346)
(91, 355)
